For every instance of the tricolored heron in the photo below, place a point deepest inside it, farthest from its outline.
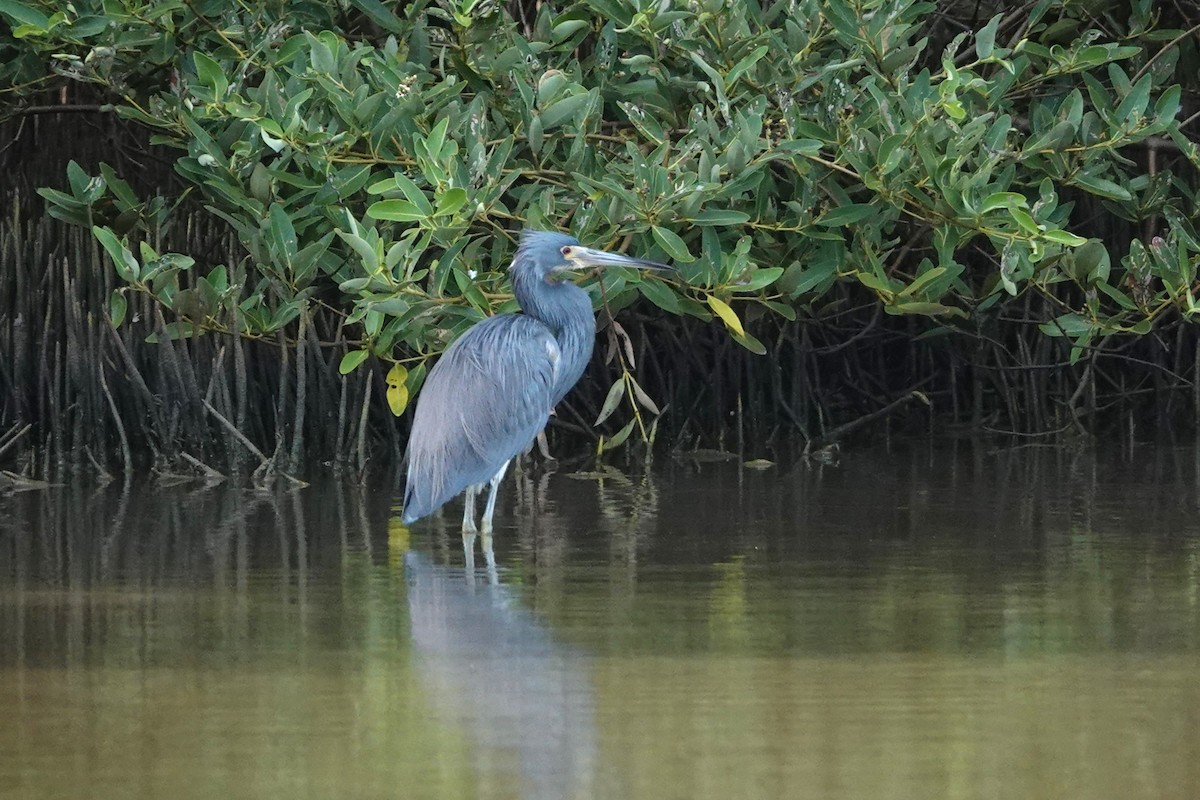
(494, 388)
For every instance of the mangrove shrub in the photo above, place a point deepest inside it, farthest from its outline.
(795, 158)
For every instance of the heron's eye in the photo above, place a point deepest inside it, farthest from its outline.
(566, 251)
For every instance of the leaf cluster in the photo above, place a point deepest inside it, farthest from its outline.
(376, 166)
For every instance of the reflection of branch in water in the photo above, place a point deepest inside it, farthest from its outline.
(78, 536)
(631, 516)
(541, 530)
(490, 667)
(109, 540)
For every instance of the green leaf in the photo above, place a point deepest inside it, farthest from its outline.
(727, 315)
(1133, 107)
(437, 137)
(354, 285)
(23, 14)
(752, 344)
(1122, 299)
(672, 244)
(283, 234)
(611, 400)
(798, 279)
(661, 295)
(1142, 327)
(320, 56)
(811, 130)
(921, 281)
(1049, 140)
(450, 202)
(351, 360)
(924, 308)
(117, 305)
(1093, 262)
(270, 126)
(782, 309)
(1003, 200)
(804, 147)
(210, 74)
(123, 260)
(413, 192)
(564, 110)
(567, 28)
(1064, 237)
(890, 154)
(745, 64)
(642, 398)
(619, 437)
(718, 82)
(846, 215)
(759, 279)
(77, 178)
(535, 134)
(874, 282)
(120, 188)
(396, 211)
(985, 40)
(370, 258)
(720, 216)
(176, 330)
(380, 14)
(1023, 219)
(1167, 106)
(383, 185)
(1072, 325)
(1101, 186)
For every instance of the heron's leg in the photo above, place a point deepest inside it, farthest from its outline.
(490, 508)
(544, 446)
(468, 525)
(489, 560)
(469, 557)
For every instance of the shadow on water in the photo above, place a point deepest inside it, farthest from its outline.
(928, 621)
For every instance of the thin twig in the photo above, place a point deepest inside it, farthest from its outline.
(12, 438)
(855, 424)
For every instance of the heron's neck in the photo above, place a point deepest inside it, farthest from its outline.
(562, 307)
(566, 310)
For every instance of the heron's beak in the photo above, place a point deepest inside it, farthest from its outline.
(578, 257)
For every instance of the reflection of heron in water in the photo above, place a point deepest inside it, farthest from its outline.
(493, 670)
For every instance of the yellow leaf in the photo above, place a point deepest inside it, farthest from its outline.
(397, 398)
(727, 315)
(397, 392)
(396, 376)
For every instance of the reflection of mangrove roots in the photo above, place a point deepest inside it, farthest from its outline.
(13, 482)
(854, 424)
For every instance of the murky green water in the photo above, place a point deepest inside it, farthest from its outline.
(930, 622)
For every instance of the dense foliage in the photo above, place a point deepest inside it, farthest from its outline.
(796, 157)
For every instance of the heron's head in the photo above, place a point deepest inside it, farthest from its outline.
(548, 254)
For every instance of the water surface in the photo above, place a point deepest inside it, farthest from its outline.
(941, 620)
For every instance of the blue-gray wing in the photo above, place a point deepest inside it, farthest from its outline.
(483, 403)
